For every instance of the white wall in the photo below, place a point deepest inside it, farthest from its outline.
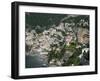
(5, 40)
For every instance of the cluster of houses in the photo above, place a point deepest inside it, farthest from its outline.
(39, 43)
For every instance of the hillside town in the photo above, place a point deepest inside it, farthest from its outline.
(64, 44)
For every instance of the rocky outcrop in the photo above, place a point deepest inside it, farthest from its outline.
(83, 35)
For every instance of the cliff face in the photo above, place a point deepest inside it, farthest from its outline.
(83, 35)
(58, 44)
